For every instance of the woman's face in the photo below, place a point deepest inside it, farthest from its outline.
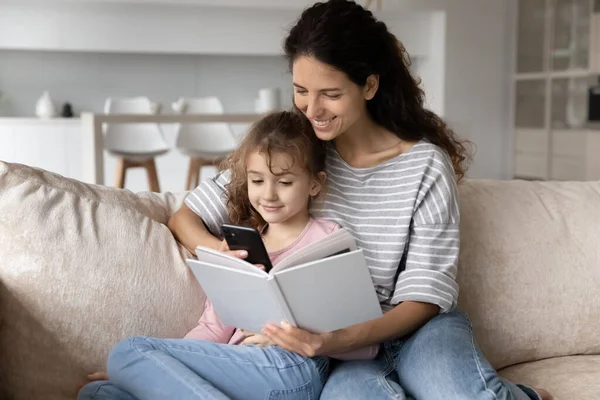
(331, 101)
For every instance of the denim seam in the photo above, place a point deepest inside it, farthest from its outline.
(386, 385)
(186, 349)
(527, 389)
(279, 349)
(93, 395)
(399, 348)
(163, 366)
(322, 376)
(477, 361)
(390, 358)
(307, 385)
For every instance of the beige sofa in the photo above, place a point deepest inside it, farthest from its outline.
(83, 266)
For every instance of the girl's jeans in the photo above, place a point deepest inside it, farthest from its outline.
(439, 361)
(146, 368)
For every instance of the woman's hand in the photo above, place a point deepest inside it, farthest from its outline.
(294, 339)
(224, 248)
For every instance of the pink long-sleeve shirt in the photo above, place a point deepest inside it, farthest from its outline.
(212, 329)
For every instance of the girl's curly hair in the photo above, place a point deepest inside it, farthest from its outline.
(284, 132)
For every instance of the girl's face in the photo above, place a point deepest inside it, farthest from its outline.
(331, 101)
(280, 193)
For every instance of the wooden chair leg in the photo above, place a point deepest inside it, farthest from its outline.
(150, 166)
(193, 178)
(120, 173)
(197, 170)
(190, 174)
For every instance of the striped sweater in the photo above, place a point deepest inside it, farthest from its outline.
(403, 213)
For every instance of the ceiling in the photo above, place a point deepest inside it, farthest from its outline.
(277, 4)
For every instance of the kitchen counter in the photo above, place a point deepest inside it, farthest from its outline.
(59, 145)
(38, 121)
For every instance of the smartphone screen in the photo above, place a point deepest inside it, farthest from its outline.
(249, 239)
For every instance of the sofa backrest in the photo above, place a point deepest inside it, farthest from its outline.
(82, 266)
(529, 270)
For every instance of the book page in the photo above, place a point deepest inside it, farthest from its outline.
(240, 299)
(329, 294)
(339, 241)
(211, 256)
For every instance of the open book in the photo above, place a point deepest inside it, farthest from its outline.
(322, 287)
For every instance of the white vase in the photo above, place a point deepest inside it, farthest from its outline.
(179, 106)
(268, 100)
(44, 108)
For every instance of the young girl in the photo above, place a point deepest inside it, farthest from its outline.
(273, 177)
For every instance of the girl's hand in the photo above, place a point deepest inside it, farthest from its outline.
(94, 376)
(98, 376)
(224, 248)
(544, 394)
(294, 339)
(257, 339)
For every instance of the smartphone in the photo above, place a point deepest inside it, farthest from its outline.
(249, 239)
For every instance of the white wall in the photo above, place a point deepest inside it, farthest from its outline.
(432, 69)
(160, 27)
(127, 27)
(85, 79)
(477, 85)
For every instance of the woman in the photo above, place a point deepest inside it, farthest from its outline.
(392, 167)
(389, 155)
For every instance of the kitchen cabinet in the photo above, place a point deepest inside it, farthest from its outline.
(553, 71)
(49, 144)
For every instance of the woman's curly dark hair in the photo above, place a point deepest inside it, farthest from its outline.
(348, 37)
(283, 132)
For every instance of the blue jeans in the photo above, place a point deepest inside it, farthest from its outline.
(146, 368)
(439, 361)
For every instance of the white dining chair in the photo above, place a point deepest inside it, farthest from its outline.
(134, 144)
(205, 143)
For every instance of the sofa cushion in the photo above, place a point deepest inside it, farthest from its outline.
(529, 268)
(82, 266)
(566, 378)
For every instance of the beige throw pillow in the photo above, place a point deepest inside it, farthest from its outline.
(81, 267)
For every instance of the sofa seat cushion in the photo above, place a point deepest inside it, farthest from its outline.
(81, 267)
(566, 378)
